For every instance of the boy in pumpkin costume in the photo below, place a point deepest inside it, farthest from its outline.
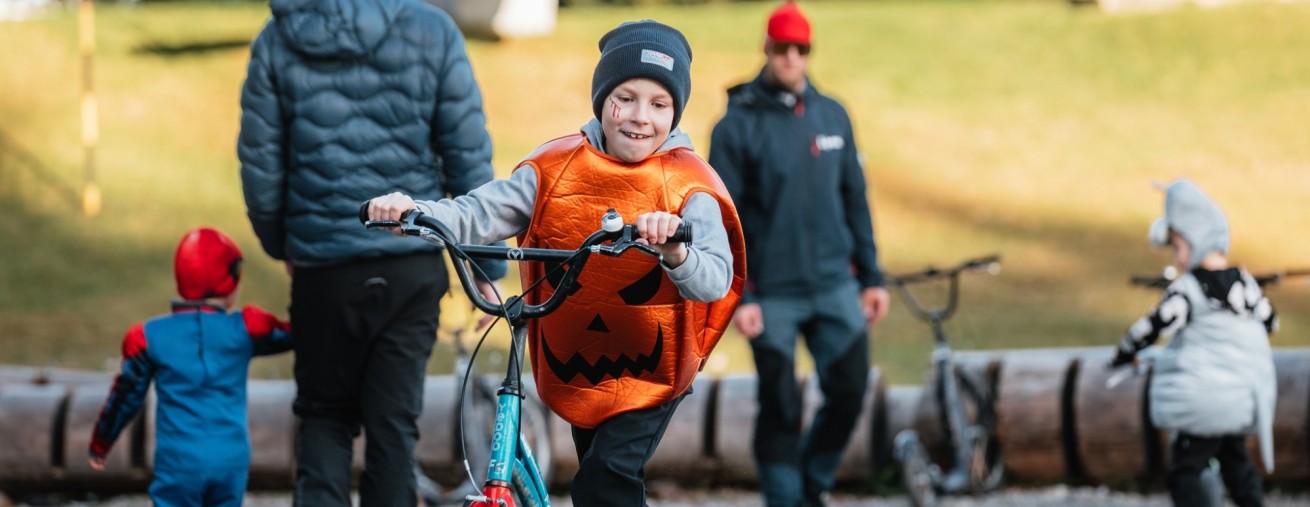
(621, 353)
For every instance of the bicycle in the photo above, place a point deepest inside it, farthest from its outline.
(976, 459)
(513, 476)
(1170, 273)
(476, 395)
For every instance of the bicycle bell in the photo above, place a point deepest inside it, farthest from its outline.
(612, 221)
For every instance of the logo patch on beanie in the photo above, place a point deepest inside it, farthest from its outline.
(657, 58)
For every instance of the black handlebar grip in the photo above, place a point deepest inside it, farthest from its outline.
(683, 234)
(363, 212)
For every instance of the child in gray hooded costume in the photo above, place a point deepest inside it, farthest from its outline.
(1214, 381)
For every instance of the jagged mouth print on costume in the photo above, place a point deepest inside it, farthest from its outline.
(604, 366)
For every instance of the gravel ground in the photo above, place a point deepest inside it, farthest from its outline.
(1057, 496)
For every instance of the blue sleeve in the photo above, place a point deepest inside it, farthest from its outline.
(261, 146)
(460, 132)
(859, 217)
(727, 159)
(126, 396)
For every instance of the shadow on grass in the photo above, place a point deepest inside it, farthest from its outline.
(191, 48)
(16, 159)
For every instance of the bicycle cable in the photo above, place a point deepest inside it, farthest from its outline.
(457, 252)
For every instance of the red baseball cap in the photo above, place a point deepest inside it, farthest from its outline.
(207, 265)
(788, 24)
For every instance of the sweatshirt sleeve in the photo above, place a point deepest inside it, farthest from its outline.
(126, 396)
(706, 274)
(492, 212)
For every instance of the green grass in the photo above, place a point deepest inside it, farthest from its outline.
(1030, 129)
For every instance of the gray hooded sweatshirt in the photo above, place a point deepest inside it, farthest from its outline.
(503, 208)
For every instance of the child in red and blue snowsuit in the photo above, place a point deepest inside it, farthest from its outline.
(198, 357)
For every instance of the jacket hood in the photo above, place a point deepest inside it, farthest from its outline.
(677, 138)
(759, 92)
(1195, 217)
(343, 28)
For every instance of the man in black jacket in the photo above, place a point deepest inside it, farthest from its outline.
(788, 157)
(345, 100)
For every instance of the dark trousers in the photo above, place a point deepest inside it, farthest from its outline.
(363, 333)
(612, 457)
(1192, 454)
(792, 466)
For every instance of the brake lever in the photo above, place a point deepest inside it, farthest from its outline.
(408, 228)
(626, 238)
(618, 247)
(378, 224)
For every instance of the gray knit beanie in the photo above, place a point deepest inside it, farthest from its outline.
(648, 49)
(1195, 217)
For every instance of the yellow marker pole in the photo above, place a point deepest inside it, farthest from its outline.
(86, 30)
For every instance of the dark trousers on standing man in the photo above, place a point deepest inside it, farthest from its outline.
(793, 467)
(1192, 454)
(363, 333)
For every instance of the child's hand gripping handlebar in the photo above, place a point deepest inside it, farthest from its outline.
(613, 239)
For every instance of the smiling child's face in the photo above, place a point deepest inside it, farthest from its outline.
(636, 118)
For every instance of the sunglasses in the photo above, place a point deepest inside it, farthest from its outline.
(782, 48)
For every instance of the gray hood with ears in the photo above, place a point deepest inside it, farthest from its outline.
(1195, 217)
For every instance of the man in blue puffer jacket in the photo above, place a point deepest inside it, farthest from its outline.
(345, 100)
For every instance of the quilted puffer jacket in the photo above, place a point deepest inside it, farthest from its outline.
(346, 100)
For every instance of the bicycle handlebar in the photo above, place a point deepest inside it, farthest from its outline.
(619, 236)
(991, 264)
(1263, 280)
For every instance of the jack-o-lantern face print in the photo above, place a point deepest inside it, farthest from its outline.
(605, 332)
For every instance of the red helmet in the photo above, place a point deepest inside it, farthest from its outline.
(207, 265)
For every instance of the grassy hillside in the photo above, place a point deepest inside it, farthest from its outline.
(1029, 129)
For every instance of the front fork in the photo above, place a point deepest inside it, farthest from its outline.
(493, 496)
(506, 439)
(496, 491)
(958, 478)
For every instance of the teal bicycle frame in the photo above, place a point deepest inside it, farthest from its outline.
(512, 470)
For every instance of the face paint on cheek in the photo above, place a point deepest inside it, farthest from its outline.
(614, 108)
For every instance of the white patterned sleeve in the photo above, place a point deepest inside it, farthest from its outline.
(1259, 305)
(1164, 320)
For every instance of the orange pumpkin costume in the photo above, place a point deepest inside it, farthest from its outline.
(626, 340)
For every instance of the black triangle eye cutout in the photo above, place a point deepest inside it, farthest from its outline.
(644, 289)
